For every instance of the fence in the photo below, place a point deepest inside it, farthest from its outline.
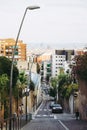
(16, 122)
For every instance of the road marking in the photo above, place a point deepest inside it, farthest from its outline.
(42, 116)
(55, 117)
(63, 125)
(38, 109)
(44, 110)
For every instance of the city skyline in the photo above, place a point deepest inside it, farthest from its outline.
(57, 23)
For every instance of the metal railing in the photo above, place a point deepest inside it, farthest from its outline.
(16, 122)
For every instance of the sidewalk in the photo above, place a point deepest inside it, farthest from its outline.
(34, 113)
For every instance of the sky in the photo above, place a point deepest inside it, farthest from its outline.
(58, 23)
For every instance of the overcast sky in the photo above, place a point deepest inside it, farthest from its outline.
(61, 23)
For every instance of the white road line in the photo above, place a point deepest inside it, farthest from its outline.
(38, 109)
(63, 125)
(44, 115)
(55, 117)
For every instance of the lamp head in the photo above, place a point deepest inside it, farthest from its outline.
(33, 7)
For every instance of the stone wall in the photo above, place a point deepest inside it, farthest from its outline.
(66, 105)
(83, 99)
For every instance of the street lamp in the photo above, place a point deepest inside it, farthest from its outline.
(57, 92)
(26, 94)
(13, 54)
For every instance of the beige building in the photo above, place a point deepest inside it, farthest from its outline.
(44, 57)
(7, 46)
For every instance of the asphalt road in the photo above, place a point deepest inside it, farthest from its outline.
(45, 120)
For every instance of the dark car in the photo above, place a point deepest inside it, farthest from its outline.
(57, 108)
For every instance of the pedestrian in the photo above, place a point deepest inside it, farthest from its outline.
(77, 114)
(20, 111)
(76, 107)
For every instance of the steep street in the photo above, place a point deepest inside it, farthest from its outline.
(44, 119)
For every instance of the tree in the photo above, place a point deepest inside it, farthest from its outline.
(64, 80)
(53, 89)
(20, 85)
(68, 90)
(80, 68)
(66, 86)
(3, 86)
(4, 93)
(3, 82)
(5, 67)
(23, 78)
(18, 89)
(53, 82)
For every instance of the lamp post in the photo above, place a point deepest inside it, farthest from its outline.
(26, 94)
(13, 54)
(30, 67)
(57, 92)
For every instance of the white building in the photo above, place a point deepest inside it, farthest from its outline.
(36, 78)
(45, 69)
(59, 58)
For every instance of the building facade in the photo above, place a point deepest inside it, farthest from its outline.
(7, 47)
(45, 70)
(46, 56)
(59, 58)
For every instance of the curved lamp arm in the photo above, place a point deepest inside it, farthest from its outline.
(11, 72)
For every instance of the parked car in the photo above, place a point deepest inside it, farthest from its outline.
(57, 108)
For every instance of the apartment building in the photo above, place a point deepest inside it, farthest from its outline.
(46, 56)
(45, 69)
(44, 60)
(7, 46)
(59, 57)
